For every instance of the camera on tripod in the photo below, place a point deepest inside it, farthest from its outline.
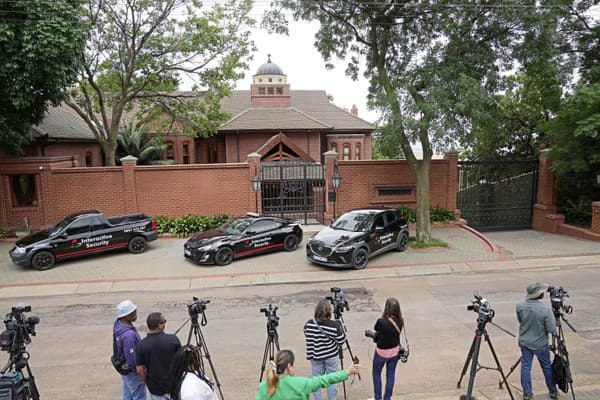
(483, 308)
(557, 294)
(197, 306)
(272, 318)
(338, 301)
(18, 329)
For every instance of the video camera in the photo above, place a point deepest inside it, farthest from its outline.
(483, 308)
(338, 301)
(18, 329)
(272, 318)
(556, 299)
(198, 307)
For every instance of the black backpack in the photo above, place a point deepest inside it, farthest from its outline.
(118, 360)
(561, 372)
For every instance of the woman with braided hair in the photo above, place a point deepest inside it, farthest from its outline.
(281, 384)
(188, 379)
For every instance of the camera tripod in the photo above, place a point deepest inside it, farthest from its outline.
(473, 356)
(17, 362)
(558, 347)
(340, 318)
(271, 345)
(196, 332)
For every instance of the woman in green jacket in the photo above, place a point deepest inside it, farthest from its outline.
(281, 384)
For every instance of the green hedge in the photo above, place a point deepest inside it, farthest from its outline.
(188, 224)
(436, 214)
(3, 232)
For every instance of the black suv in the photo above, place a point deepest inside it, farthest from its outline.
(357, 235)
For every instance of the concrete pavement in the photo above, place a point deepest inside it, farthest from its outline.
(75, 301)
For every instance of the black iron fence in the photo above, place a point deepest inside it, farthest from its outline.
(294, 189)
(497, 194)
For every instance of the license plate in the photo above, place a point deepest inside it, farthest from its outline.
(319, 258)
(187, 252)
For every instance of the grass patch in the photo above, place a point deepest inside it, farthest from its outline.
(413, 243)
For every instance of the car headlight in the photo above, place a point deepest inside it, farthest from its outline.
(206, 247)
(19, 250)
(344, 249)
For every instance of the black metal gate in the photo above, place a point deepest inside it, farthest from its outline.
(496, 195)
(294, 189)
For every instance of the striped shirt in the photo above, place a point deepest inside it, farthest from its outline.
(323, 345)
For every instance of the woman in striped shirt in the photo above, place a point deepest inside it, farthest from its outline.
(324, 337)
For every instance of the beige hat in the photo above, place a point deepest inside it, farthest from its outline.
(535, 290)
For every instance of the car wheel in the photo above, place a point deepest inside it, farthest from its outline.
(360, 258)
(290, 243)
(224, 256)
(43, 260)
(137, 245)
(402, 241)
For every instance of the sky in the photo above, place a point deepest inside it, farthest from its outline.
(304, 66)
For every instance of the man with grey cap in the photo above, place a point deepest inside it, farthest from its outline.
(536, 321)
(127, 337)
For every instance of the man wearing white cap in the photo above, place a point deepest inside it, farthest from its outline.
(536, 321)
(127, 337)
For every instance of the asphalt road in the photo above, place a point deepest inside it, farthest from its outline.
(70, 353)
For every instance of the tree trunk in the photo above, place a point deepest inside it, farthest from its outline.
(109, 148)
(423, 212)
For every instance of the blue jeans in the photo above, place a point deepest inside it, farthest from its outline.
(543, 356)
(390, 375)
(133, 387)
(323, 367)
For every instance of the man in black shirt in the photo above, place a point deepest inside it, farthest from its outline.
(154, 355)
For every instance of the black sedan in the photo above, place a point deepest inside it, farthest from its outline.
(243, 236)
(358, 235)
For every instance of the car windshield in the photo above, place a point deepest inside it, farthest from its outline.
(60, 226)
(354, 222)
(235, 226)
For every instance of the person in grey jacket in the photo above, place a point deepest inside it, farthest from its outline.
(536, 321)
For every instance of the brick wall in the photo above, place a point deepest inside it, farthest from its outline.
(596, 217)
(173, 190)
(362, 181)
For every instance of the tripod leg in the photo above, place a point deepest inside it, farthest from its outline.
(342, 367)
(474, 361)
(267, 353)
(469, 356)
(202, 343)
(351, 356)
(488, 340)
(510, 371)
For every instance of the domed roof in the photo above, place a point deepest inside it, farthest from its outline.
(269, 68)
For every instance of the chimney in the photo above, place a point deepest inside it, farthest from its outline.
(354, 110)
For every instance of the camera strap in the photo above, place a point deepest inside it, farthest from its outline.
(323, 332)
(399, 331)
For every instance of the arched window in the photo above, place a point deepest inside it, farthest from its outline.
(186, 153)
(170, 151)
(334, 147)
(357, 151)
(346, 153)
(89, 161)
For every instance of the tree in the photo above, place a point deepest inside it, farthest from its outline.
(429, 65)
(386, 145)
(138, 53)
(134, 141)
(40, 43)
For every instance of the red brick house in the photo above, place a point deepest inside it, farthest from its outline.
(269, 118)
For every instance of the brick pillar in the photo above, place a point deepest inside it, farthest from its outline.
(596, 217)
(128, 164)
(544, 211)
(330, 159)
(254, 170)
(452, 184)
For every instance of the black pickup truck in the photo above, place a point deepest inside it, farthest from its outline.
(83, 233)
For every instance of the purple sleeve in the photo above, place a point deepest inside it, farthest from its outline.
(129, 342)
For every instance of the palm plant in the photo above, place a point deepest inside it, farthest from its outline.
(148, 149)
